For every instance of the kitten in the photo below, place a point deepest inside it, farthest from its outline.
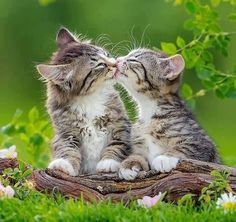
(167, 130)
(92, 131)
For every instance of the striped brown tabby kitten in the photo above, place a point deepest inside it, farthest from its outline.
(92, 131)
(166, 131)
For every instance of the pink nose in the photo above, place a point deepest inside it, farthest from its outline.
(119, 61)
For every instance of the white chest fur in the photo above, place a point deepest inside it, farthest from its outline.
(94, 140)
(147, 108)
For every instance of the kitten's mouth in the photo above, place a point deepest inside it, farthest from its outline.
(116, 73)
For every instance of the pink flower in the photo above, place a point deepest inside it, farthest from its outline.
(6, 191)
(8, 153)
(147, 201)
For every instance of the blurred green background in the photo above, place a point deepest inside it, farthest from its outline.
(27, 37)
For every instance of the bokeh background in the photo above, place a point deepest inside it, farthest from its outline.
(27, 37)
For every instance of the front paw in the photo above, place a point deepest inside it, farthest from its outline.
(131, 166)
(64, 166)
(107, 166)
(164, 163)
(128, 174)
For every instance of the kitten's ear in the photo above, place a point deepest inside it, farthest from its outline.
(64, 37)
(177, 65)
(55, 73)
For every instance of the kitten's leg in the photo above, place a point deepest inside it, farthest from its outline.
(136, 162)
(117, 150)
(67, 157)
(131, 166)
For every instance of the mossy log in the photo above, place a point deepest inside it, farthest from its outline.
(189, 177)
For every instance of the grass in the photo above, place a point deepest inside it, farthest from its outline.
(38, 207)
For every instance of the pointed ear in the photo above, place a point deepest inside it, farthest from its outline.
(64, 37)
(177, 65)
(55, 73)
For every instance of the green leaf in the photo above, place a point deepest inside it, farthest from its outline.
(17, 114)
(169, 48)
(219, 94)
(21, 166)
(8, 129)
(232, 16)
(27, 173)
(190, 7)
(204, 74)
(235, 83)
(33, 114)
(231, 94)
(189, 24)
(36, 139)
(186, 91)
(215, 3)
(224, 88)
(207, 56)
(180, 42)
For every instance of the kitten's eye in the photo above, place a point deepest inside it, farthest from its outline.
(133, 61)
(100, 66)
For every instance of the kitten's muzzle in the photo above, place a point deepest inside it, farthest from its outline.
(120, 64)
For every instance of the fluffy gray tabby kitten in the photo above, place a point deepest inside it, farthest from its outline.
(92, 131)
(167, 130)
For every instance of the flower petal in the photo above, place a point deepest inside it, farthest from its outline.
(9, 192)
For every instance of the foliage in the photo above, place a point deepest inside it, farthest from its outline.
(18, 178)
(209, 194)
(219, 185)
(208, 39)
(129, 103)
(31, 137)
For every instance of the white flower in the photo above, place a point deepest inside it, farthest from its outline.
(6, 191)
(147, 201)
(227, 202)
(8, 153)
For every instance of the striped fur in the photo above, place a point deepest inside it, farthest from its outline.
(92, 131)
(167, 130)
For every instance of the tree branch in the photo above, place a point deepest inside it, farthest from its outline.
(190, 176)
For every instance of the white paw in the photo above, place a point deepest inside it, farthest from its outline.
(164, 163)
(107, 165)
(128, 174)
(64, 166)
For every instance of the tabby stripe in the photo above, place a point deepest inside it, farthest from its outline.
(85, 79)
(93, 80)
(144, 70)
(139, 80)
(90, 84)
(118, 143)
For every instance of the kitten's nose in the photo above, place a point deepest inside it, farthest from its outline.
(119, 61)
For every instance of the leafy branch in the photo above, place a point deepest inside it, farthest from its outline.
(199, 53)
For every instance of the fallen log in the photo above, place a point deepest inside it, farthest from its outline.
(189, 177)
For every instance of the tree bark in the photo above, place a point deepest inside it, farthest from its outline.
(190, 176)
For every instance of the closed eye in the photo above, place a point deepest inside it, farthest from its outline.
(133, 61)
(100, 66)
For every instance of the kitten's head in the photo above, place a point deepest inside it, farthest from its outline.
(149, 72)
(78, 67)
